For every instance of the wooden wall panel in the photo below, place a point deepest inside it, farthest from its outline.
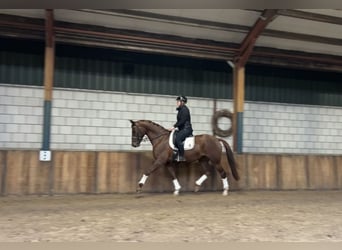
(16, 174)
(87, 172)
(127, 173)
(242, 183)
(2, 171)
(292, 172)
(103, 165)
(64, 172)
(262, 172)
(322, 174)
(119, 172)
(116, 172)
(26, 174)
(74, 172)
(338, 165)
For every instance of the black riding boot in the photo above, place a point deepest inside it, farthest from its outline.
(181, 153)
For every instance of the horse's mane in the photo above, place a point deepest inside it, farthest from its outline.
(153, 123)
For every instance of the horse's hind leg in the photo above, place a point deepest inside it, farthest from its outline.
(224, 179)
(206, 167)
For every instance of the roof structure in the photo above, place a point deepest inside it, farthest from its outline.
(299, 38)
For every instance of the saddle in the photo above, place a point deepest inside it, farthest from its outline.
(188, 143)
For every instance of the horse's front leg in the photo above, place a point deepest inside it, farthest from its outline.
(175, 182)
(157, 163)
(206, 167)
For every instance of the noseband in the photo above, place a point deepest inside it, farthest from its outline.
(139, 137)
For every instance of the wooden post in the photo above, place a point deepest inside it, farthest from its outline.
(239, 97)
(240, 60)
(48, 77)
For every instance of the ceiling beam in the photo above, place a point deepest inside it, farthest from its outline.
(248, 43)
(302, 37)
(295, 64)
(117, 38)
(78, 34)
(311, 16)
(296, 59)
(49, 28)
(193, 22)
(186, 21)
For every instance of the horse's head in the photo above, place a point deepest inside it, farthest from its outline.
(138, 134)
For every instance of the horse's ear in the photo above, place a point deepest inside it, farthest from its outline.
(132, 122)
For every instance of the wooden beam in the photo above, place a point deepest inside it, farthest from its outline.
(49, 26)
(240, 60)
(49, 65)
(24, 27)
(311, 16)
(49, 55)
(302, 37)
(240, 88)
(248, 43)
(239, 97)
(303, 65)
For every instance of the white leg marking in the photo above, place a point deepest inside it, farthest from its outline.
(143, 179)
(225, 186)
(201, 180)
(176, 184)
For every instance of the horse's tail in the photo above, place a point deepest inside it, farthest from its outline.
(230, 158)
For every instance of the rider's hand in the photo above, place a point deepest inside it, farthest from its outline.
(171, 129)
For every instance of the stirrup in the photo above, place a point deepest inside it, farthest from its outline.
(174, 155)
(180, 158)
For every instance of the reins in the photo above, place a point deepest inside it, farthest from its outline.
(156, 137)
(145, 137)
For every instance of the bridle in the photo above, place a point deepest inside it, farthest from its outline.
(140, 136)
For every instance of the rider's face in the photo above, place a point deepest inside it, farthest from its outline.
(178, 103)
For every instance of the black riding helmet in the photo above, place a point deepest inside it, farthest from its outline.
(182, 98)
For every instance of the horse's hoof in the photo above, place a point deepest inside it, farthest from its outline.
(176, 192)
(197, 188)
(225, 192)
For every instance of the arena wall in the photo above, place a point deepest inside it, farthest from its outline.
(74, 172)
(98, 120)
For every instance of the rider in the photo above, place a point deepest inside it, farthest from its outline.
(183, 124)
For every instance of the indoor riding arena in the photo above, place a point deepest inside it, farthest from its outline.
(74, 85)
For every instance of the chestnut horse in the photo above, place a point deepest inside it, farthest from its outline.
(207, 150)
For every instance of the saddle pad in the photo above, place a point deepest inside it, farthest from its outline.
(189, 142)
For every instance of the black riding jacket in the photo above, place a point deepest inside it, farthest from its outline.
(183, 118)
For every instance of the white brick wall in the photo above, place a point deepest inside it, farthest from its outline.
(287, 128)
(100, 120)
(21, 115)
(97, 120)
